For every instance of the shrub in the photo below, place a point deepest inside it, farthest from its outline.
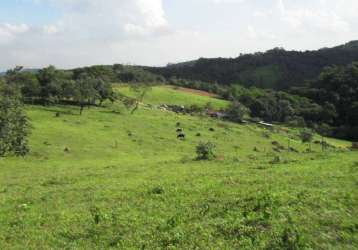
(205, 151)
(237, 112)
(157, 190)
(266, 134)
(194, 108)
(296, 121)
(276, 160)
(14, 124)
(306, 135)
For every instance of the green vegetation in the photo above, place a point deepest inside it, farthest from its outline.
(336, 90)
(145, 167)
(274, 69)
(205, 151)
(169, 95)
(51, 86)
(320, 87)
(308, 94)
(14, 125)
(263, 77)
(112, 180)
(328, 104)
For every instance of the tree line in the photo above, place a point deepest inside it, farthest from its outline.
(336, 90)
(277, 68)
(328, 104)
(52, 86)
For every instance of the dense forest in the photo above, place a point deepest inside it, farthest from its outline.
(276, 69)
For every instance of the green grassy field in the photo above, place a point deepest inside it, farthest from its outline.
(168, 95)
(126, 182)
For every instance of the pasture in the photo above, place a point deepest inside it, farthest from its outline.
(170, 95)
(111, 180)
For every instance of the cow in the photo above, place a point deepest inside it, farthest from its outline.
(181, 136)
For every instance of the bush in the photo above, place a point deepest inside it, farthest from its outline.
(14, 124)
(205, 151)
(157, 190)
(296, 121)
(306, 135)
(237, 112)
(194, 109)
(276, 160)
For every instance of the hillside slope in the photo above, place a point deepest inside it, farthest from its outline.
(111, 180)
(276, 68)
(176, 96)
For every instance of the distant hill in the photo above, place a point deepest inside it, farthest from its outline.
(23, 70)
(30, 70)
(276, 68)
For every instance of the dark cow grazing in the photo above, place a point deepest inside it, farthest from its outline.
(198, 134)
(179, 130)
(181, 136)
(57, 114)
(178, 124)
(211, 129)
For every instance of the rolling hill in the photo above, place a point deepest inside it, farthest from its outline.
(111, 180)
(277, 68)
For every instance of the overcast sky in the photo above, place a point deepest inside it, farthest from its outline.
(71, 33)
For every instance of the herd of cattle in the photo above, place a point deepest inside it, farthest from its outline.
(180, 131)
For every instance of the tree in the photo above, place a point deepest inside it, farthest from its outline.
(50, 80)
(12, 74)
(285, 110)
(140, 91)
(67, 89)
(104, 90)
(324, 130)
(306, 136)
(237, 111)
(84, 92)
(14, 125)
(30, 86)
(27, 82)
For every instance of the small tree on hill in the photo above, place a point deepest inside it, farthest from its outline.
(14, 125)
(140, 91)
(84, 92)
(306, 136)
(237, 111)
(104, 90)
